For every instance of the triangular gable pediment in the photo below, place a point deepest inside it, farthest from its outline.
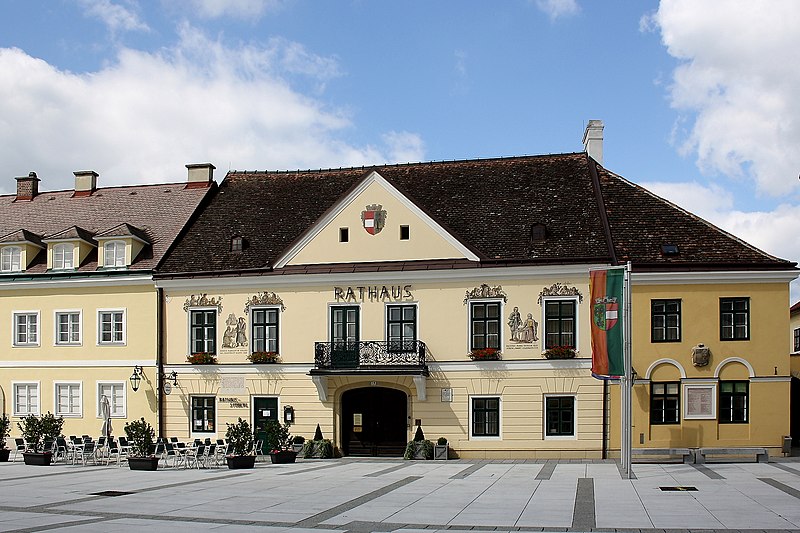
(372, 214)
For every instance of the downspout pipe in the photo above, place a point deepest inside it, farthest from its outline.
(160, 360)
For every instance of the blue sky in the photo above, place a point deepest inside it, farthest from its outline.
(698, 98)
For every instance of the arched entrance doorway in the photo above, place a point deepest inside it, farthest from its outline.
(374, 422)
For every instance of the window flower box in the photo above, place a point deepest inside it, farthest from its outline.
(560, 352)
(485, 354)
(202, 358)
(263, 357)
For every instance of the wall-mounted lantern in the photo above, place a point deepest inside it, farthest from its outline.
(136, 377)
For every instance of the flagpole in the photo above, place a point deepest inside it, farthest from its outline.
(628, 382)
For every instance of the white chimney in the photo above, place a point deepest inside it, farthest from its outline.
(593, 140)
(200, 175)
(85, 182)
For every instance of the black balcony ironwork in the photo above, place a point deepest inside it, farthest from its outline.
(371, 356)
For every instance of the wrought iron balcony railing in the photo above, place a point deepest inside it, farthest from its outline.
(370, 355)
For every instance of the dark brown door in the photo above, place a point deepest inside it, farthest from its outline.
(374, 422)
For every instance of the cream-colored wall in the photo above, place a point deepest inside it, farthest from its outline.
(88, 362)
(442, 317)
(424, 242)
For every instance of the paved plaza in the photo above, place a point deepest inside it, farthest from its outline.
(365, 495)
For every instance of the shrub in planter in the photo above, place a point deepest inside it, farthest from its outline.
(440, 450)
(39, 431)
(263, 357)
(202, 358)
(318, 449)
(297, 443)
(141, 441)
(279, 442)
(419, 448)
(5, 431)
(560, 352)
(240, 438)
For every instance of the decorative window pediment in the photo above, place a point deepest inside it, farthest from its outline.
(121, 245)
(68, 248)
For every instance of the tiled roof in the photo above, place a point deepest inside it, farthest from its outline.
(795, 308)
(73, 232)
(123, 230)
(21, 235)
(158, 212)
(490, 205)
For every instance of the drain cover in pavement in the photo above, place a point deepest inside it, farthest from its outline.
(677, 489)
(110, 493)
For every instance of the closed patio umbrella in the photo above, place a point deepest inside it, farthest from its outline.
(105, 414)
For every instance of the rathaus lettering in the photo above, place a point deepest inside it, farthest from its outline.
(373, 293)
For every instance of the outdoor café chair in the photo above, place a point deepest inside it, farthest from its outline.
(87, 452)
(19, 447)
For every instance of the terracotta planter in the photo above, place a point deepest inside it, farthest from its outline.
(4, 453)
(282, 457)
(236, 462)
(38, 459)
(143, 463)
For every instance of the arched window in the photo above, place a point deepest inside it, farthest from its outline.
(114, 254)
(11, 259)
(62, 256)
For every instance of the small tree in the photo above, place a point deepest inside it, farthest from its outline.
(240, 438)
(37, 431)
(419, 436)
(5, 430)
(140, 437)
(318, 434)
(278, 436)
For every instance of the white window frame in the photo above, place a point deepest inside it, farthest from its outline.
(124, 341)
(217, 343)
(795, 349)
(203, 434)
(543, 327)
(119, 258)
(56, 405)
(386, 306)
(15, 316)
(15, 406)
(64, 247)
(574, 435)
(7, 255)
(502, 333)
(57, 324)
(499, 416)
(99, 395)
(251, 343)
(329, 318)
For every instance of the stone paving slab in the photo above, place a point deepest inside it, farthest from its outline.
(365, 496)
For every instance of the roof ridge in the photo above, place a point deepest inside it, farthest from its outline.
(101, 189)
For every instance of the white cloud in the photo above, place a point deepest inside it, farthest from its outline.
(774, 231)
(115, 16)
(243, 9)
(142, 118)
(738, 84)
(558, 8)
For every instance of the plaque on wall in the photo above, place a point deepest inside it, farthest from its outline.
(447, 395)
(232, 385)
(699, 402)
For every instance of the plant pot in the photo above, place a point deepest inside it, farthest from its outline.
(38, 459)
(297, 448)
(236, 462)
(4, 453)
(284, 456)
(440, 452)
(143, 463)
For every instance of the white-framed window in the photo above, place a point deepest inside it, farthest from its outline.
(402, 326)
(115, 392)
(485, 325)
(26, 328)
(560, 416)
(560, 319)
(264, 329)
(11, 259)
(111, 326)
(68, 399)
(114, 254)
(63, 256)
(203, 331)
(68, 327)
(485, 417)
(26, 398)
(203, 414)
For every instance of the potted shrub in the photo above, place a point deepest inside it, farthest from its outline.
(202, 358)
(319, 448)
(5, 431)
(485, 354)
(140, 439)
(419, 448)
(560, 352)
(263, 357)
(440, 449)
(39, 432)
(240, 440)
(297, 443)
(279, 443)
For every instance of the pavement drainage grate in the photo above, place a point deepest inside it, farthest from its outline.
(678, 489)
(111, 493)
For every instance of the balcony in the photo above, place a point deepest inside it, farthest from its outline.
(377, 357)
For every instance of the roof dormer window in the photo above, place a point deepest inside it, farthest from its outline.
(11, 259)
(114, 254)
(63, 256)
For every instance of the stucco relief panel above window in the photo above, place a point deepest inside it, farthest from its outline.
(485, 291)
(560, 289)
(202, 300)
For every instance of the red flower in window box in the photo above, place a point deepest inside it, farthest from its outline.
(202, 358)
(485, 354)
(560, 352)
(263, 357)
